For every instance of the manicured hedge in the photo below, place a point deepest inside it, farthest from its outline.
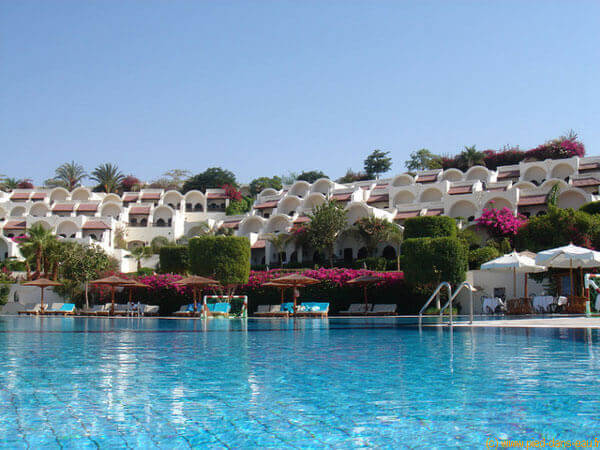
(482, 255)
(428, 261)
(173, 259)
(433, 227)
(591, 208)
(226, 258)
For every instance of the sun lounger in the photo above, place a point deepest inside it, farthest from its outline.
(187, 310)
(53, 308)
(150, 310)
(105, 311)
(64, 310)
(35, 310)
(92, 311)
(313, 309)
(356, 309)
(121, 309)
(383, 310)
(272, 310)
(219, 309)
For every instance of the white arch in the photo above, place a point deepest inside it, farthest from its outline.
(322, 185)
(195, 201)
(313, 200)
(573, 198)
(45, 225)
(267, 192)
(562, 171)
(452, 175)
(81, 194)
(58, 194)
(251, 224)
(39, 210)
(300, 188)
(111, 210)
(431, 195)
(163, 215)
(111, 198)
(403, 180)
(547, 185)
(18, 211)
(278, 223)
(403, 197)
(499, 203)
(289, 204)
(356, 211)
(524, 185)
(477, 173)
(463, 208)
(535, 173)
(67, 229)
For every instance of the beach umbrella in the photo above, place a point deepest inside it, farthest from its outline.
(281, 286)
(295, 280)
(196, 281)
(364, 281)
(569, 257)
(42, 283)
(516, 263)
(133, 284)
(112, 282)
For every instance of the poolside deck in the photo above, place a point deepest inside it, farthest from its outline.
(545, 322)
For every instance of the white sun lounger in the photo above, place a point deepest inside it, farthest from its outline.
(383, 310)
(35, 310)
(357, 309)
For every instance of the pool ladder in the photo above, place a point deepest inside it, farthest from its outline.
(451, 297)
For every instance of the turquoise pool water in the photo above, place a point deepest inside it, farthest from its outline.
(155, 383)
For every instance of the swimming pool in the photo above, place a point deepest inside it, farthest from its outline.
(86, 382)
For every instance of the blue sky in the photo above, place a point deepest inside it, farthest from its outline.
(268, 87)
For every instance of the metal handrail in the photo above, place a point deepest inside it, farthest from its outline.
(452, 297)
(437, 290)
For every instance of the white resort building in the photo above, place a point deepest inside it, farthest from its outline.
(139, 217)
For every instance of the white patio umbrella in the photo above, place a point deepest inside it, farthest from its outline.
(569, 257)
(516, 263)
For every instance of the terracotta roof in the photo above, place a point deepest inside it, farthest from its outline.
(460, 190)
(406, 214)
(232, 224)
(130, 197)
(509, 174)
(589, 166)
(426, 178)
(20, 196)
(497, 188)
(530, 200)
(151, 196)
(434, 212)
(261, 243)
(365, 187)
(266, 205)
(139, 210)
(39, 196)
(88, 207)
(63, 207)
(378, 198)
(586, 182)
(15, 225)
(217, 195)
(381, 186)
(302, 219)
(341, 197)
(95, 225)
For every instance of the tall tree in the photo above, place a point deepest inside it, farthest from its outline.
(67, 175)
(37, 241)
(213, 177)
(470, 157)
(140, 253)
(327, 222)
(279, 241)
(377, 162)
(290, 178)
(351, 177)
(8, 184)
(422, 160)
(258, 184)
(108, 176)
(311, 175)
(374, 231)
(173, 179)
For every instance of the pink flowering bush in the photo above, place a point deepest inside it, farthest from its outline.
(232, 193)
(501, 222)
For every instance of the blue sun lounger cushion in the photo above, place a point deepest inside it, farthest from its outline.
(289, 307)
(222, 308)
(67, 307)
(316, 306)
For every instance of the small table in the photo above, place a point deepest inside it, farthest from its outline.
(490, 304)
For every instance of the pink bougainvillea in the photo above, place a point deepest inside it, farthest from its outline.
(501, 222)
(231, 192)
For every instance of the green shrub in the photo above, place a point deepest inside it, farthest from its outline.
(226, 258)
(429, 261)
(145, 271)
(4, 291)
(591, 208)
(433, 227)
(472, 239)
(157, 243)
(379, 264)
(482, 255)
(173, 259)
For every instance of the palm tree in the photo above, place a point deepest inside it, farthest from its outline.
(279, 241)
(108, 176)
(374, 230)
(8, 184)
(470, 157)
(37, 242)
(140, 253)
(68, 175)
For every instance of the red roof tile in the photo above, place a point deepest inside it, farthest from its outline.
(139, 210)
(130, 197)
(63, 207)
(586, 182)
(15, 225)
(460, 190)
(426, 178)
(217, 195)
(381, 186)
(341, 197)
(530, 200)
(509, 174)
(406, 214)
(589, 166)
(232, 224)
(302, 219)
(39, 196)
(261, 243)
(434, 212)
(20, 196)
(497, 188)
(266, 205)
(87, 207)
(151, 196)
(95, 225)
(378, 198)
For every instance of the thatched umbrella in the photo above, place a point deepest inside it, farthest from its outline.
(364, 281)
(281, 286)
(42, 283)
(112, 282)
(294, 280)
(133, 285)
(196, 281)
